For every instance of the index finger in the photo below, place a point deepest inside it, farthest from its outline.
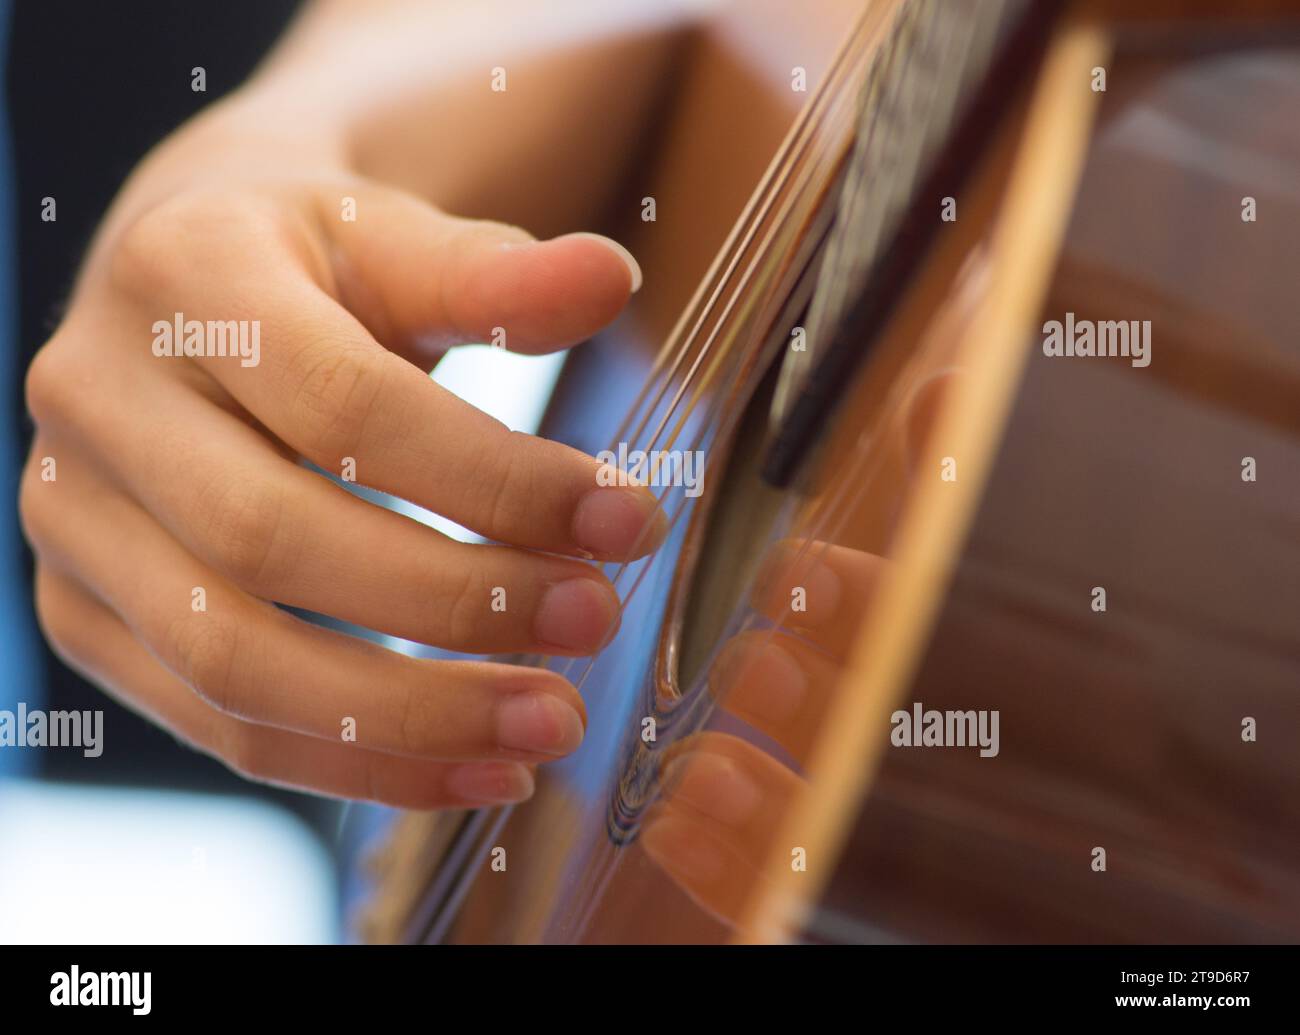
(325, 387)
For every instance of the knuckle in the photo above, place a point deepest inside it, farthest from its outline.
(465, 608)
(56, 621)
(335, 388)
(513, 490)
(245, 526)
(176, 239)
(399, 715)
(243, 753)
(150, 252)
(417, 720)
(33, 503)
(49, 381)
(205, 648)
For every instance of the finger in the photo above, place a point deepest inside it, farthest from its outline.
(328, 390)
(421, 279)
(284, 533)
(254, 661)
(94, 642)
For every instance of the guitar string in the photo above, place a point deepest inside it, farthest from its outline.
(825, 98)
(775, 177)
(706, 351)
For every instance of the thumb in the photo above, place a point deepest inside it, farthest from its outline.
(422, 281)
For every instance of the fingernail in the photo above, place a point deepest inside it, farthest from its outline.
(577, 614)
(540, 724)
(491, 783)
(633, 267)
(618, 523)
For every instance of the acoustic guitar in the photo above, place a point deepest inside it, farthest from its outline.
(967, 371)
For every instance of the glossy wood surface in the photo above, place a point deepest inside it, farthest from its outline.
(1123, 729)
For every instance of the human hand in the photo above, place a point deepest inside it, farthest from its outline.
(167, 508)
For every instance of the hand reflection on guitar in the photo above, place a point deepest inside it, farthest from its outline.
(722, 797)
